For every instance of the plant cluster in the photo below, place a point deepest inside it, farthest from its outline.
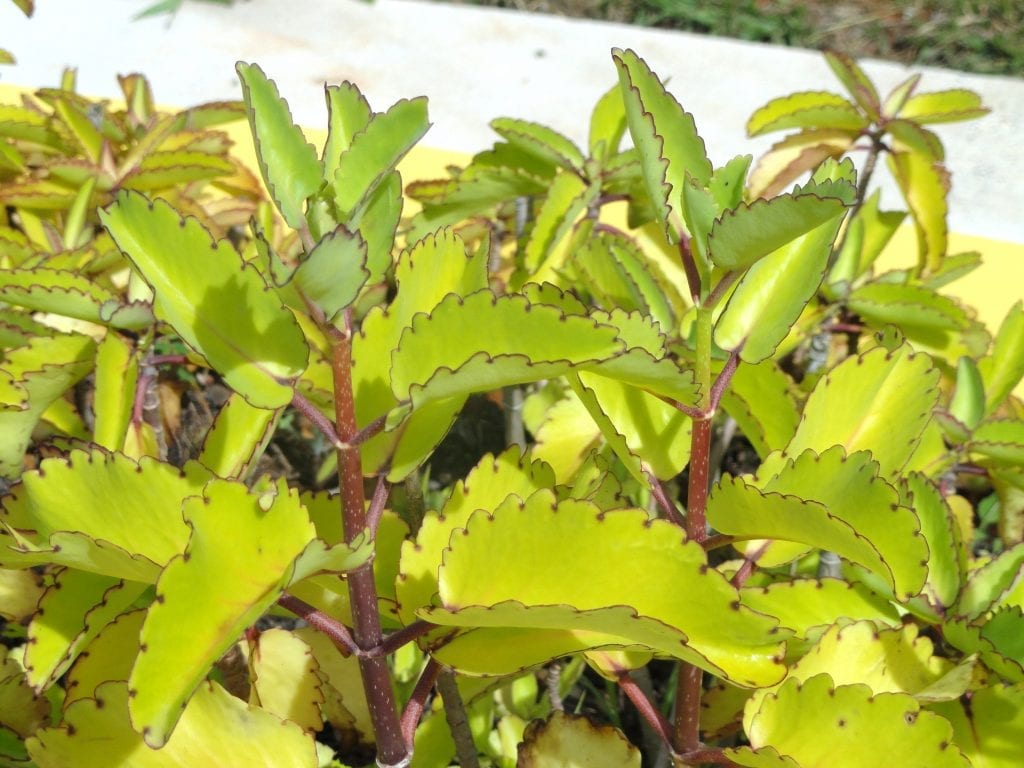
(745, 473)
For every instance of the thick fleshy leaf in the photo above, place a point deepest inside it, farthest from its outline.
(285, 679)
(109, 490)
(1003, 369)
(483, 342)
(889, 660)
(808, 109)
(374, 153)
(852, 726)
(967, 405)
(215, 729)
(563, 740)
(570, 572)
(333, 272)
(750, 232)
(666, 137)
(38, 373)
(244, 543)
(60, 291)
(159, 170)
(1000, 442)
(607, 124)
(989, 726)
(565, 436)
(943, 106)
(238, 437)
(773, 292)
(987, 584)
(760, 401)
(108, 657)
(726, 184)
(924, 184)
(831, 501)
(806, 605)
(856, 82)
(879, 401)
(24, 711)
(348, 113)
(117, 372)
(567, 199)
(947, 553)
(487, 485)
(72, 612)
(20, 592)
(921, 313)
(260, 351)
(288, 162)
(547, 144)
(793, 156)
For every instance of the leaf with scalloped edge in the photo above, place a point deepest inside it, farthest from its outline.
(988, 726)
(759, 400)
(565, 437)
(260, 351)
(1003, 368)
(20, 592)
(117, 372)
(947, 552)
(373, 155)
(285, 679)
(41, 371)
(666, 137)
(74, 609)
(925, 185)
(567, 199)
(487, 485)
(62, 292)
(562, 740)
(109, 656)
(547, 144)
(109, 489)
(773, 292)
(215, 729)
(288, 162)
(977, 639)
(483, 341)
(331, 275)
(805, 605)
(341, 682)
(879, 401)
(160, 170)
(575, 577)
(943, 106)
(794, 156)
(348, 113)
(746, 234)
(868, 233)
(999, 442)
(238, 437)
(888, 660)
(852, 727)
(246, 544)
(987, 584)
(607, 125)
(854, 515)
(807, 110)
(856, 82)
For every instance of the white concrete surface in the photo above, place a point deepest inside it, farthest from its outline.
(476, 64)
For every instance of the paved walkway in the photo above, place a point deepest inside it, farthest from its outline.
(476, 64)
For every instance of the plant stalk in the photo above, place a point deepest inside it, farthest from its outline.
(458, 722)
(392, 749)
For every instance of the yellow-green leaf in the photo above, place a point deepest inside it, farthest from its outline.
(285, 679)
(924, 184)
(808, 109)
(565, 741)
(944, 106)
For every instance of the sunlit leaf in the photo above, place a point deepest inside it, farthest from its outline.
(808, 109)
(943, 106)
(989, 725)
(563, 740)
(856, 82)
(1003, 369)
(925, 185)
(285, 679)
(545, 143)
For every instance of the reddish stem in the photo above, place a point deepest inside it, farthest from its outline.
(418, 701)
(690, 269)
(645, 707)
(397, 639)
(687, 721)
(664, 502)
(317, 419)
(331, 627)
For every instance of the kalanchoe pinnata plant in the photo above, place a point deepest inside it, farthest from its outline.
(744, 504)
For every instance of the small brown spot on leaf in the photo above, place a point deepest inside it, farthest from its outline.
(841, 723)
(71, 729)
(143, 647)
(186, 556)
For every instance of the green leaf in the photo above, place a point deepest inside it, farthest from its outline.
(285, 679)
(567, 199)
(288, 162)
(190, 624)
(856, 83)
(852, 726)
(726, 184)
(772, 294)
(748, 233)
(968, 402)
(484, 341)
(869, 232)
(71, 613)
(911, 137)
(794, 156)
(924, 185)
(564, 739)
(159, 170)
(238, 437)
(379, 224)
(348, 113)
(260, 351)
(539, 140)
(987, 725)
(374, 153)
(65, 293)
(41, 371)
(943, 106)
(109, 489)
(987, 584)
(898, 96)
(808, 109)
(666, 137)
(879, 401)
(806, 605)
(486, 486)
(831, 501)
(333, 272)
(1001, 441)
(1003, 368)
(759, 399)
(947, 553)
(592, 579)
(216, 728)
(607, 124)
